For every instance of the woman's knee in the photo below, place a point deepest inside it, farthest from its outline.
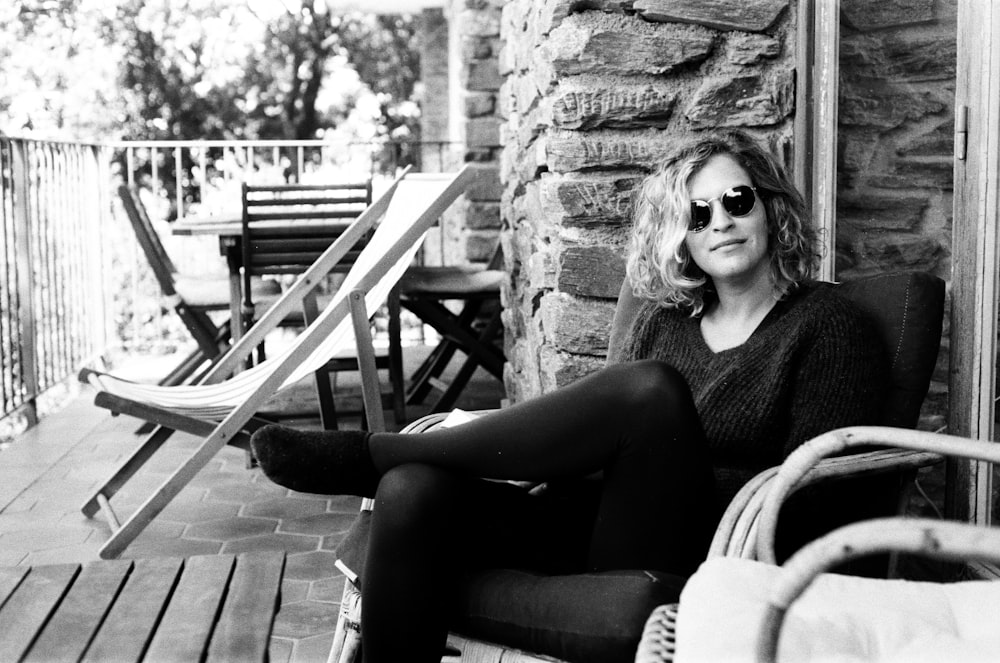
(650, 383)
(415, 491)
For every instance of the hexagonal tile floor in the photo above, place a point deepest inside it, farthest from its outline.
(46, 474)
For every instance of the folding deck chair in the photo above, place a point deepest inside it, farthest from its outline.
(222, 409)
(285, 229)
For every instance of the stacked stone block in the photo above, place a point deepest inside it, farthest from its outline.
(594, 95)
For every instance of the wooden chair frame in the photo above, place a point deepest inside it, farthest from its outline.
(425, 297)
(210, 338)
(281, 236)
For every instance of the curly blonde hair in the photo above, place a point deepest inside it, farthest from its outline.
(659, 264)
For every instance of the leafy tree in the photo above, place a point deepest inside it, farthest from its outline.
(57, 76)
(173, 69)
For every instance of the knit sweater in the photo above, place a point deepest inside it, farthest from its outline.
(813, 364)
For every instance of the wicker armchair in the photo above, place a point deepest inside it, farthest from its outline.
(907, 309)
(808, 464)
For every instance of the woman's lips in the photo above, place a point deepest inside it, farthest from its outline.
(728, 242)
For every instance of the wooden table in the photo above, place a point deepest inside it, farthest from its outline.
(205, 608)
(229, 230)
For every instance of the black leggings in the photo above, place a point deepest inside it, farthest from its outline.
(435, 519)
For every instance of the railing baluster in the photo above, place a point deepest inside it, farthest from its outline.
(178, 182)
(25, 281)
(154, 162)
(8, 342)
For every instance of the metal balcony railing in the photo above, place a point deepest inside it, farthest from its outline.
(73, 284)
(54, 205)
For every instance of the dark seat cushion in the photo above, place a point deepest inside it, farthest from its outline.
(582, 618)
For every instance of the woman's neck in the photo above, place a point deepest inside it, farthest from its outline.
(745, 300)
(737, 311)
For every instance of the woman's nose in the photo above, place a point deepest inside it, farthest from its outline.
(721, 219)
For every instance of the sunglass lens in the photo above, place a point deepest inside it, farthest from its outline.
(739, 200)
(701, 215)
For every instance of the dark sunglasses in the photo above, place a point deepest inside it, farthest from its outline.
(737, 201)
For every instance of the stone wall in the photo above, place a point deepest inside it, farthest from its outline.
(594, 93)
(896, 123)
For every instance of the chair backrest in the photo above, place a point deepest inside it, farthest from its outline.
(199, 325)
(908, 310)
(287, 226)
(149, 240)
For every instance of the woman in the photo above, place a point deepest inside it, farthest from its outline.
(734, 357)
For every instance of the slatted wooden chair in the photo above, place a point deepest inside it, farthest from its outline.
(223, 406)
(285, 229)
(475, 329)
(510, 615)
(191, 298)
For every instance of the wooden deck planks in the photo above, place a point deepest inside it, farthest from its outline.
(205, 608)
(28, 608)
(10, 578)
(244, 628)
(133, 618)
(69, 631)
(187, 625)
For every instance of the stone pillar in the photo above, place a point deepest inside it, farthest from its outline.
(437, 151)
(477, 23)
(592, 99)
(434, 106)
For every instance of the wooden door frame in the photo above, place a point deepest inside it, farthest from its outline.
(817, 90)
(975, 237)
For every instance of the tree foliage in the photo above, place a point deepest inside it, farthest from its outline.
(186, 69)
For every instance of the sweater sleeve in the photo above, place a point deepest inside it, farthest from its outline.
(841, 376)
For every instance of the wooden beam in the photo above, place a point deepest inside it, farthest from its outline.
(975, 254)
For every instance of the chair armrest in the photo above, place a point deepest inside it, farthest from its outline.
(659, 643)
(922, 448)
(431, 421)
(737, 534)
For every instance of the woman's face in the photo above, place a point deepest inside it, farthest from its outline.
(731, 248)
